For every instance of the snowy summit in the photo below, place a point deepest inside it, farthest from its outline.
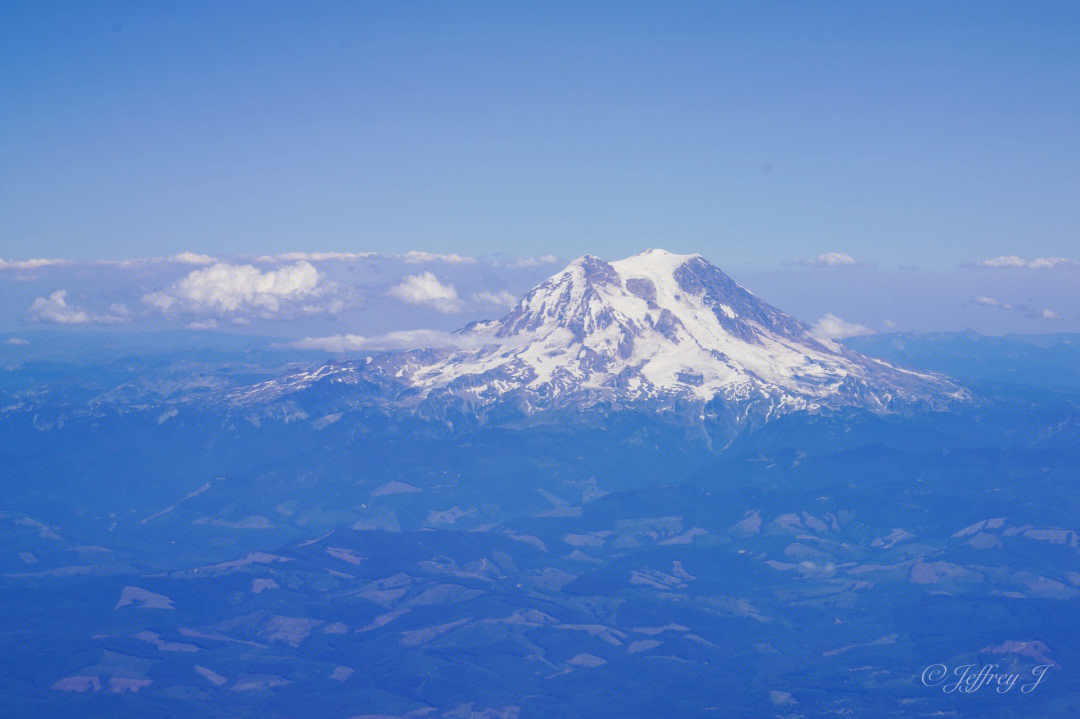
(656, 329)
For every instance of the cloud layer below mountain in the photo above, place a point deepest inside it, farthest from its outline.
(367, 297)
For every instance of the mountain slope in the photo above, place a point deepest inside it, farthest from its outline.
(654, 330)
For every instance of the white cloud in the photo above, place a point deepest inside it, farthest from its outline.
(415, 256)
(495, 299)
(827, 259)
(534, 261)
(224, 289)
(31, 264)
(426, 289)
(412, 257)
(991, 302)
(183, 258)
(208, 324)
(16, 341)
(191, 258)
(194, 258)
(118, 312)
(1046, 314)
(312, 257)
(56, 310)
(890, 324)
(831, 327)
(1039, 263)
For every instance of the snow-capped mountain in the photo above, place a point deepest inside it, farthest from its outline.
(656, 329)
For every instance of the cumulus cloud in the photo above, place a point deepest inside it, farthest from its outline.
(56, 310)
(425, 289)
(495, 299)
(1046, 314)
(991, 302)
(831, 327)
(224, 289)
(192, 258)
(827, 259)
(16, 342)
(1013, 261)
(118, 312)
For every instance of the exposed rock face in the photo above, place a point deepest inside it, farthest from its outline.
(656, 330)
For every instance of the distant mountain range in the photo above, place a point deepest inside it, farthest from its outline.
(643, 492)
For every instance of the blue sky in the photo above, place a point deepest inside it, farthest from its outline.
(928, 135)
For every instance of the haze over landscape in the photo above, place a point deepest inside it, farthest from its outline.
(404, 360)
(901, 166)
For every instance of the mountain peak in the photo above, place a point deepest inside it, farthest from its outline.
(656, 330)
(659, 326)
(591, 269)
(644, 262)
(657, 254)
